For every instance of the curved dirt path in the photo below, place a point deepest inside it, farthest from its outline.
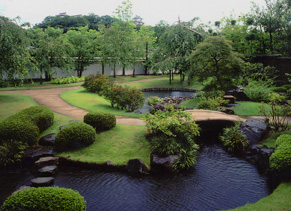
(51, 98)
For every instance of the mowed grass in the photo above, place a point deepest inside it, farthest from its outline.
(278, 200)
(92, 102)
(164, 83)
(245, 108)
(117, 145)
(12, 103)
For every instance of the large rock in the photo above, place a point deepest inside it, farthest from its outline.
(255, 129)
(163, 164)
(136, 167)
(238, 93)
(42, 181)
(48, 140)
(46, 161)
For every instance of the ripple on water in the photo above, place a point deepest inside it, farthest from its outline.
(219, 181)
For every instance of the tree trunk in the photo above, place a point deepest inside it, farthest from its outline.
(271, 42)
(103, 68)
(114, 73)
(123, 70)
(41, 75)
(147, 58)
(133, 71)
(170, 78)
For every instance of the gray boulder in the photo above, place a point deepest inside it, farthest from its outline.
(48, 140)
(163, 164)
(255, 129)
(136, 167)
(238, 93)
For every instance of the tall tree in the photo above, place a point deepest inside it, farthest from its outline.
(50, 51)
(15, 60)
(215, 58)
(174, 45)
(82, 42)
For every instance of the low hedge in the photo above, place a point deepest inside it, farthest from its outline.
(74, 136)
(45, 199)
(101, 121)
(26, 125)
(280, 160)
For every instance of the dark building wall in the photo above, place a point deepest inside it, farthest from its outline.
(282, 64)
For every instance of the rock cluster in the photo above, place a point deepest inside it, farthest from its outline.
(175, 101)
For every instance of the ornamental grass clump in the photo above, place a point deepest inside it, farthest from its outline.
(76, 135)
(101, 121)
(45, 199)
(233, 139)
(173, 133)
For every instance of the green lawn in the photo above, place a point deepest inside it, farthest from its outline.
(123, 79)
(245, 108)
(92, 102)
(117, 145)
(277, 201)
(164, 83)
(13, 103)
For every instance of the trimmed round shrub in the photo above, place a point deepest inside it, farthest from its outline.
(280, 160)
(101, 121)
(42, 116)
(74, 136)
(45, 199)
(285, 138)
(19, 130)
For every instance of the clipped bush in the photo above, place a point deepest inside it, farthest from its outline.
(233, 139)
(97, 84)
(101, 121)
(280, 160)
(19, 130)
(45, 199)
(67, 80)
(74, 136)
(42, 116)
(285, 138)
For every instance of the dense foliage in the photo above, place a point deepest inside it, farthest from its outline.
(97, 84)
(212, 100)
(174, 132)
(280, 160)
(67, 80)
(74, 136)
(45, 199)
(26, 125)
(278, 112)
(11, 152)
(215, 58)
(233, 139)
(101, 121)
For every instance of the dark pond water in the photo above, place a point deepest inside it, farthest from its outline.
(219, 181)
(145, 108)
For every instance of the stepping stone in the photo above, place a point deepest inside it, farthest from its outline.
(230, 98)
(62, 127)
(48, 140)
(46, 161)
(48, 171)
(32, 154)
(42, 181)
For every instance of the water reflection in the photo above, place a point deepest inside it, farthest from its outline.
(219, 181)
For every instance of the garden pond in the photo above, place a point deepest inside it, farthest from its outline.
(161, 94)
(218, 181)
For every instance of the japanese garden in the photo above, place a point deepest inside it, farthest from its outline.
(107, 113)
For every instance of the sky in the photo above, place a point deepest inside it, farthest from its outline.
(152, 11)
